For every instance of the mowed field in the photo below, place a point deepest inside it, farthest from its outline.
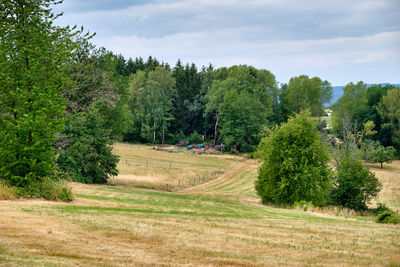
(215, 222)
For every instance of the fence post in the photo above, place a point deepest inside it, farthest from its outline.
(166, 187)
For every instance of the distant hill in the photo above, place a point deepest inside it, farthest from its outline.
(337, 91)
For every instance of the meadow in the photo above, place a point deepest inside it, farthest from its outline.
(218, 221)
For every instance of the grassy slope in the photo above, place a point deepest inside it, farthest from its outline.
(215, 223)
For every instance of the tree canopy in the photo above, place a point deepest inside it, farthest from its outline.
(33, 53)
(295, 163)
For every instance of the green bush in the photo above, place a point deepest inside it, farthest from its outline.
(380, 208)
(355, 184)
(388, 216)
(49, 189)
(195, 138)
(86, 150)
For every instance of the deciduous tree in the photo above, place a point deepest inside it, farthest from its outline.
(295, 163)
(33, 76)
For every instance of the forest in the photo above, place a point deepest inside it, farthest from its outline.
(64, 103)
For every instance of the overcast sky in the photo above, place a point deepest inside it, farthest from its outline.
(340, 41)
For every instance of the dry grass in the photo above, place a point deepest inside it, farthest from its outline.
(7, 192)
(141, 166)
(218, 223)
(390, 179)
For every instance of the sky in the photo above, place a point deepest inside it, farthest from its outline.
(340, 41)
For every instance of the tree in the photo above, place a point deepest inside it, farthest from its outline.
(389, 109)
(295, 163)
(243, 119)
(33, 53)
(250, 83)
(376, 153)
(96, 115)
(354, 185)
(87, 152)
(352, 106)
(152, 95)
(303, 93)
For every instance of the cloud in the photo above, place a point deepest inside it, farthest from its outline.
(327, 38)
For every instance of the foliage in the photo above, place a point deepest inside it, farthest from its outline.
(152, 97)
(352, 106)
(85, 151)
(305, 205)
(376, 153)
(294, 163)
(354, 185)
(223, 101)
(33, 53)
(389, 109)
(195, 138)
(303, 93)
(49, 188)
(243, 118)
(7, 192)
(388, 216)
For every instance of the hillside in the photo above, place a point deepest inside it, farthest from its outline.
(218, 222)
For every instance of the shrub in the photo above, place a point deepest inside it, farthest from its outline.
(49, 189)
(295, 163)
(380, 208)
(86, 150)
(303, 204)
(355, 185)
(195, 138)
(388, 217)
(7, 192)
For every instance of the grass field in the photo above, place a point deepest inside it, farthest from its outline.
(215, 223)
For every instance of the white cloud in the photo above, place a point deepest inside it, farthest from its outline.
(332, 39)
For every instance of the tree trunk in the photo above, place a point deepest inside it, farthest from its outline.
(154, 133)
(381, 165)
(163, 135)
(215, 129)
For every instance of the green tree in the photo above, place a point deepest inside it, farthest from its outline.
(86, 152)
(374, 152)
(354, 184)
(389, 109)
(249, 82)
(303, 93)
(96, 115)
(152, 96)
(295, 163)
(33, 53)
(352, 106)
(244, 118)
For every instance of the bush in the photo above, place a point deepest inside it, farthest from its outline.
(7, 192)
(305, 205)
(295, 163)
(380, 208)
(355, 184)
(195, 138)
(388, 217)
(85, 151)
(49, 189)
